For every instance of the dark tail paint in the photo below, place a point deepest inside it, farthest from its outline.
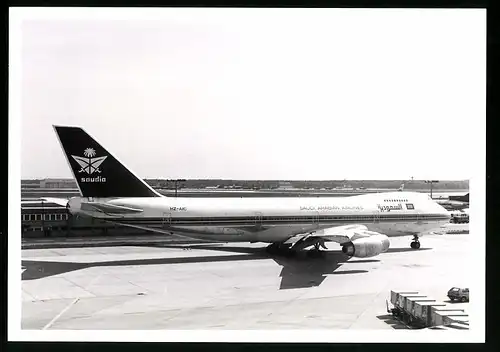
(96, 171)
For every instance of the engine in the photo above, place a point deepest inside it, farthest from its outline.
(367, 246)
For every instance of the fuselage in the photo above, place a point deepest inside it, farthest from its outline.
(271, 219)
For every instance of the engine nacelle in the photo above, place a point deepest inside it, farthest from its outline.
(385, 241)
(366, 246)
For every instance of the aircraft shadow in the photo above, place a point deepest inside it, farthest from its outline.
(398, 250)
(454, 302)
(40, 269)
(297, 272)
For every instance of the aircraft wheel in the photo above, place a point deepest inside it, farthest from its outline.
(463, 299)
(415, 245)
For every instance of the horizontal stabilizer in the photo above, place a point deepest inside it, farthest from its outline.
(59, 201)
(109, 208)
(157, 230)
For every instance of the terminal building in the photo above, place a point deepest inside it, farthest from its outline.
(44, 219)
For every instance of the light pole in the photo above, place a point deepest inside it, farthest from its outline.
(431, 182)
(175, 184)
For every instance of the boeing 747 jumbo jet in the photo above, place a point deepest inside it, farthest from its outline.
(360, 224)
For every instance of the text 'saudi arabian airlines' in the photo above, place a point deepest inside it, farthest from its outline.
(360, 224)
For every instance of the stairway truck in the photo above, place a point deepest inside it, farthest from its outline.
(396, 293)
(422, 310)
(446, 317)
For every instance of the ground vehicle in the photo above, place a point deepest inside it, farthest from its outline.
(459, 218)
(461, 294)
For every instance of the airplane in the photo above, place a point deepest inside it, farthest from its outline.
(361, 224)
(455, 202)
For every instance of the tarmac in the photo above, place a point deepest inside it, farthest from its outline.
(161, 285)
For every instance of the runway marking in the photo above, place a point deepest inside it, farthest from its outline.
(60, 314)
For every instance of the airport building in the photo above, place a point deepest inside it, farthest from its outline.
(40, 218)
(45, 219)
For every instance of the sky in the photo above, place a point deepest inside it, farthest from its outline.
(313, 94)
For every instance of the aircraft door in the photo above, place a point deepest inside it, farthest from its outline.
(376, 217)
(166, 219)
(258, 220)
(420, 218)
(315, 219)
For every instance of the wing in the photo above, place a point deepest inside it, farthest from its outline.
(346, 233)
(339, 234)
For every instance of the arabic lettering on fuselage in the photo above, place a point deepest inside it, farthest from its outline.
(390, 207)
(331, 207)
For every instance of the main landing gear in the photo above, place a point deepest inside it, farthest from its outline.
(415, 244)
(289, 250)
(315, 252)
(278, 248)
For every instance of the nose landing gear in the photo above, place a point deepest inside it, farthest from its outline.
(415, 244)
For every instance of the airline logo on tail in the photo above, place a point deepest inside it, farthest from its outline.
(90, 165)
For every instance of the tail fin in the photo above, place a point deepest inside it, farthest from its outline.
(96, 171)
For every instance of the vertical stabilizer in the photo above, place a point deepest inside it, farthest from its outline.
(96, 171)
